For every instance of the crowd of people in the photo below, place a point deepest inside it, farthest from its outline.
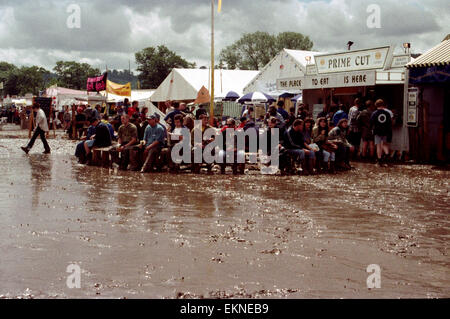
(324, 145)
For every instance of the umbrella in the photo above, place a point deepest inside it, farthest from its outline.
(297, 98)
(256, 97)
(231, 96)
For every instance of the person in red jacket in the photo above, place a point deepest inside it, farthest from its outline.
(133, 108)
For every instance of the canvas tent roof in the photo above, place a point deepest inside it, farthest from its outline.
(437, 56)
(184, 84)
(286, 64)
(143, 97)
(65, 96)
(56, 91)
(136, 95)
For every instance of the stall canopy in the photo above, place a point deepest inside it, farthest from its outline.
(286, 64)
(142, 96)
(136, 95)
(184, 84)
(64, 96)
(433, 66)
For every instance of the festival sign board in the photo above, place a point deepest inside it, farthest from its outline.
(351, 79)
(97, 84)
(45, 103)
(413, 98)
(400, 61)
(311, 69)
(353, 60)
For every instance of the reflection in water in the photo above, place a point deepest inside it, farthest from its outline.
(41, 175)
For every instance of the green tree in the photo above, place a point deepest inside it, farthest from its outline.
(155, 64)
(123, 77)
(31, 80)
(73, 75)
(254, 50)
(20, 81)
(293, 41)
(6, 70)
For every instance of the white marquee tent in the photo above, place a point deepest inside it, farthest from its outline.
(184, 84)
(136, 95)
(143, 97)
(286, 64)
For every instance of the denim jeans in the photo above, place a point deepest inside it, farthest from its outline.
(327, 156)
(298, 154)
(39, 132)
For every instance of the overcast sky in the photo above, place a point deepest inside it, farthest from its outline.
(35, 32)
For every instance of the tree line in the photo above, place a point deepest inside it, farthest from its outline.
(251, 52)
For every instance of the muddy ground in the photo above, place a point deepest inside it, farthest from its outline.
(188, 236)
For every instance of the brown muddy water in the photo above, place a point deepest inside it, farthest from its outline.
(187, 236)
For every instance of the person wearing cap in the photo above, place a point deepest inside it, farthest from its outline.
(40, 130)
(154, 140)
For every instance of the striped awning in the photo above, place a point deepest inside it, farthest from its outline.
(437, 56)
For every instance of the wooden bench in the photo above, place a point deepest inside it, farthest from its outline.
(101, 157)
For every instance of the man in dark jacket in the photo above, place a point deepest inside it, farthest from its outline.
(294, 142)
(102, 137)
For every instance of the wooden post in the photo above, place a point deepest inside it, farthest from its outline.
(106, 163)
(54, 123)
(74, 124)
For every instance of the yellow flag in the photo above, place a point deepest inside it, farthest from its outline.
(219, 9)
(118, 89)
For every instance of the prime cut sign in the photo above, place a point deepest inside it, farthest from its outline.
(352, 61)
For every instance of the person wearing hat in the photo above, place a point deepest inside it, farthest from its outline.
(40, 130)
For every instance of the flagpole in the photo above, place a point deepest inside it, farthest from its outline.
(106, 104)
(212, 64)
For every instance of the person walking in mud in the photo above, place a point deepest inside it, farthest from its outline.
(40, 130)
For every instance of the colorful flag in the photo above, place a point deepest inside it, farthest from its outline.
(219, 9)
(118, 89)
(97, 84)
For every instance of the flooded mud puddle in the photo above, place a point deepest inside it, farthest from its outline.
(213, 236)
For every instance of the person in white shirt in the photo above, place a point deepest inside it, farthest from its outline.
(40, 130)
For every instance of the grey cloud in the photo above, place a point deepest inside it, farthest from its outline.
(113, 30)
